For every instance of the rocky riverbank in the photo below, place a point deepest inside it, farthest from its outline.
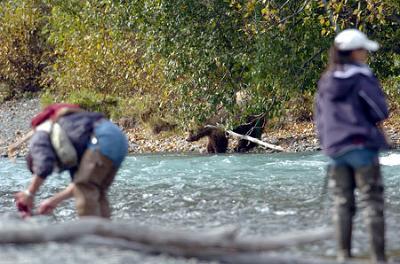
(296, 137)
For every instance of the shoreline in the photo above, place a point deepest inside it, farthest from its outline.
(299, 137)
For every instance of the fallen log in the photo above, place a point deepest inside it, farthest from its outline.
(231, 258)
(252, 139)
(224, 245)
(220, 257)
(222, 239)
(12, 148)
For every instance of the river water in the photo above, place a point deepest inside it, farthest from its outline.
(265, 194)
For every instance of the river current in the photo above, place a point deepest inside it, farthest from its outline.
(264, 194)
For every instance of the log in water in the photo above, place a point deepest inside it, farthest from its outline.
(218, 244)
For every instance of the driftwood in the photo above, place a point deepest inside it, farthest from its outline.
(15, 146)
(252, 139)
(224, 245)
(218, 244)
(221, 257)
(255, 140)
(226, 238)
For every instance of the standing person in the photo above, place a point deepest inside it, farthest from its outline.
(86, 144)
(350, 104)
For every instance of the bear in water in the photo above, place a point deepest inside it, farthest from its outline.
(218, 140)
(253, 127)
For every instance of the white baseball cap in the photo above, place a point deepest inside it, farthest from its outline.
(352, 39)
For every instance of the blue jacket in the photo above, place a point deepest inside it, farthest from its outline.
(348, 106)
(78, 127)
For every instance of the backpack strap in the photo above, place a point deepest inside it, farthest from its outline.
(61, 143)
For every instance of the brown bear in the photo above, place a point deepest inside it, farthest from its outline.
(253, 127)
(217, 139)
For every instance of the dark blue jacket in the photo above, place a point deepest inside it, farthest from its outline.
(349, 104)
(78, 127)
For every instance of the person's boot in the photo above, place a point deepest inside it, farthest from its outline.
(343, 235)
(369, 181)
(343, 184)
(376, 228)
(94, 175)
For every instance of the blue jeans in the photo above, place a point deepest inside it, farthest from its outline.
(111, 142)
(356, 158)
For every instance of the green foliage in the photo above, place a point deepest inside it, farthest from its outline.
(204, 50)
(391, 85)
(5, 92)
(379, 20)
(87, 99)
(140, 108)
(24, 52)
(275, 50)
(186, 59)
(93, 53)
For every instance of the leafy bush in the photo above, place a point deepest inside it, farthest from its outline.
(24, 52)
(96, 55)
(87, 99)
(185, 59)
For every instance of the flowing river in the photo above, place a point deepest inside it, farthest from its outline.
(265, 194)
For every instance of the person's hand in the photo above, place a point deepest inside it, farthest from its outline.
(47, 206)
(24, 202)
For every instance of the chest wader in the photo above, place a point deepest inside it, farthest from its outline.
(92, 180)
(368, 180)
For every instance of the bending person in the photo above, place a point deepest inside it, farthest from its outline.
(86, 144)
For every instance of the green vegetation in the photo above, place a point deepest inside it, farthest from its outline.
(24, 52)
(184, 60)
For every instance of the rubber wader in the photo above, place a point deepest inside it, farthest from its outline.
(368, 180)
(343, 184)
(92, 180)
